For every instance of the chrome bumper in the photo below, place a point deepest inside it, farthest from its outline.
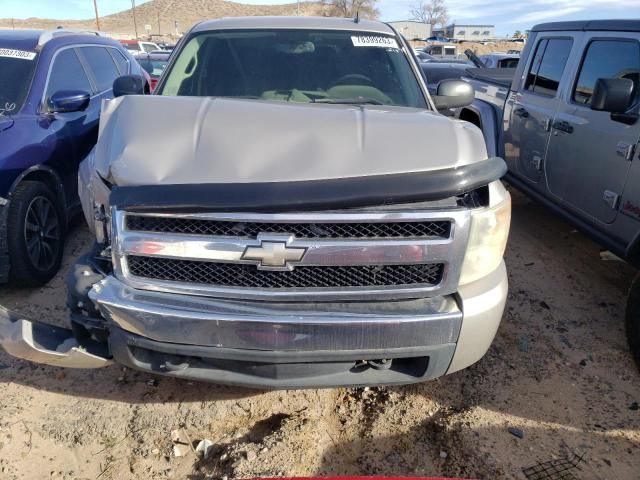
(278, 326)
(43, 343)
(276, 334)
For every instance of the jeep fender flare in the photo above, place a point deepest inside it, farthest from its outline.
(485, 117)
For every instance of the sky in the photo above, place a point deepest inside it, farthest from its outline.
(507, 15)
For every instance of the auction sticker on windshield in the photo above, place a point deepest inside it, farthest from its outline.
(374, 41)
(9, 53)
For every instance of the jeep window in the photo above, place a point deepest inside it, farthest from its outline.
(15, 79)
(607, 59)
(102, 65)
(295, 65)
(547, 66)
(67, 74)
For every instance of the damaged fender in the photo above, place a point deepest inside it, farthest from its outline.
(43, 343)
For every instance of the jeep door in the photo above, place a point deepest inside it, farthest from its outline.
(532, 106)
(590, 151)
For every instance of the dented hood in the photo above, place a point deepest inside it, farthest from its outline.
(154, 140)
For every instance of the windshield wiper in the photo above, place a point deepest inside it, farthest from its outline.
(349, 101)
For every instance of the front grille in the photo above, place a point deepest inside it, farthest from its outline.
(426, 229)
(248, 276)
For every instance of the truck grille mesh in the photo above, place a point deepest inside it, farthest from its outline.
(248, 276)
(428, 229)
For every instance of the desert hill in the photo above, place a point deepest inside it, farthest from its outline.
(163, 15)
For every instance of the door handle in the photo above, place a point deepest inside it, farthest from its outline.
(521, 112)
(563, 126)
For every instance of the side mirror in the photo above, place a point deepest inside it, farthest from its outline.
(453, 94)
(65, 101)
(613, 95)
(128, 85)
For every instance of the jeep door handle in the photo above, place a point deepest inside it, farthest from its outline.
(521, 112)
(563, 126)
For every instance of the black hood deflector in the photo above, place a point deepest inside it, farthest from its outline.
(330, 194)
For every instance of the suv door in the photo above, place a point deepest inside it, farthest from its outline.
(72, 131)
(590, 152)
(534, 104)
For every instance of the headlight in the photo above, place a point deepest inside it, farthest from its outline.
(488, 235)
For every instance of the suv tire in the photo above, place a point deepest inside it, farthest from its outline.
(35, 235)
(632, 320)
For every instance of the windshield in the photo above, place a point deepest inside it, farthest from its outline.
(297, 66)
(15, 80)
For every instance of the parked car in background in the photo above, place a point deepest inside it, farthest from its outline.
(442, 52)
(567, 121)
(51, 86)
(154, 64)
(435, 39)
(500, 60)
(340, 254)
(139, 46)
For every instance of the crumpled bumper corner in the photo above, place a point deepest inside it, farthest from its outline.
(43, 343)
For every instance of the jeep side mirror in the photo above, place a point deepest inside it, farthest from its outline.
(453, 94)
(613, 95)
(65, 101)
(128, 85)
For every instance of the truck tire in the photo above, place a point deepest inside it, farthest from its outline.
(632, 319)
(35, 234)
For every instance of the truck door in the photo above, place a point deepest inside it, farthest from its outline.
(533, 106)
(590, 152)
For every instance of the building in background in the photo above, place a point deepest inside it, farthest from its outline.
(412, 29)
(474, 33)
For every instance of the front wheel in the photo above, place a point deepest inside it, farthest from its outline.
(632, 319)
(35, 234)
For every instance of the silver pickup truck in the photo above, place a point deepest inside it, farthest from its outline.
(567, 121)
(288, 209)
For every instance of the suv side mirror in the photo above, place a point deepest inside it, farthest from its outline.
(613, 95)
(128, 85)
(65, 101)
(453, 94)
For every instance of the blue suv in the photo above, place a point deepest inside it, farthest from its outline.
(51, 87)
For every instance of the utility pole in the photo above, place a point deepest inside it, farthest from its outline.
(95, 7)
(298, 7)
(133, 10)
(158, 13)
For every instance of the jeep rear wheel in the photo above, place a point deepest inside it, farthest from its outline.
(35, 234)
(632, 319)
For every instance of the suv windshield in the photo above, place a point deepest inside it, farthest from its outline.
(312, 66)
(15, 79)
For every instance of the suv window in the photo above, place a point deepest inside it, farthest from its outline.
(547, 66)
(102, 65)
(121, 61)
(607, 59)
(67, 74)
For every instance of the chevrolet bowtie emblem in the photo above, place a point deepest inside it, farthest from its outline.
(274, 254)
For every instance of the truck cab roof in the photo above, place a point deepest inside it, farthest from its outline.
(311, 23)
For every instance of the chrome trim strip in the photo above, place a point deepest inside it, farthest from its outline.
(320, 252)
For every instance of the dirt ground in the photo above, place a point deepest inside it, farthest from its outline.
(559, 375)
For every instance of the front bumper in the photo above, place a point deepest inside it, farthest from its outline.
(276, 345)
